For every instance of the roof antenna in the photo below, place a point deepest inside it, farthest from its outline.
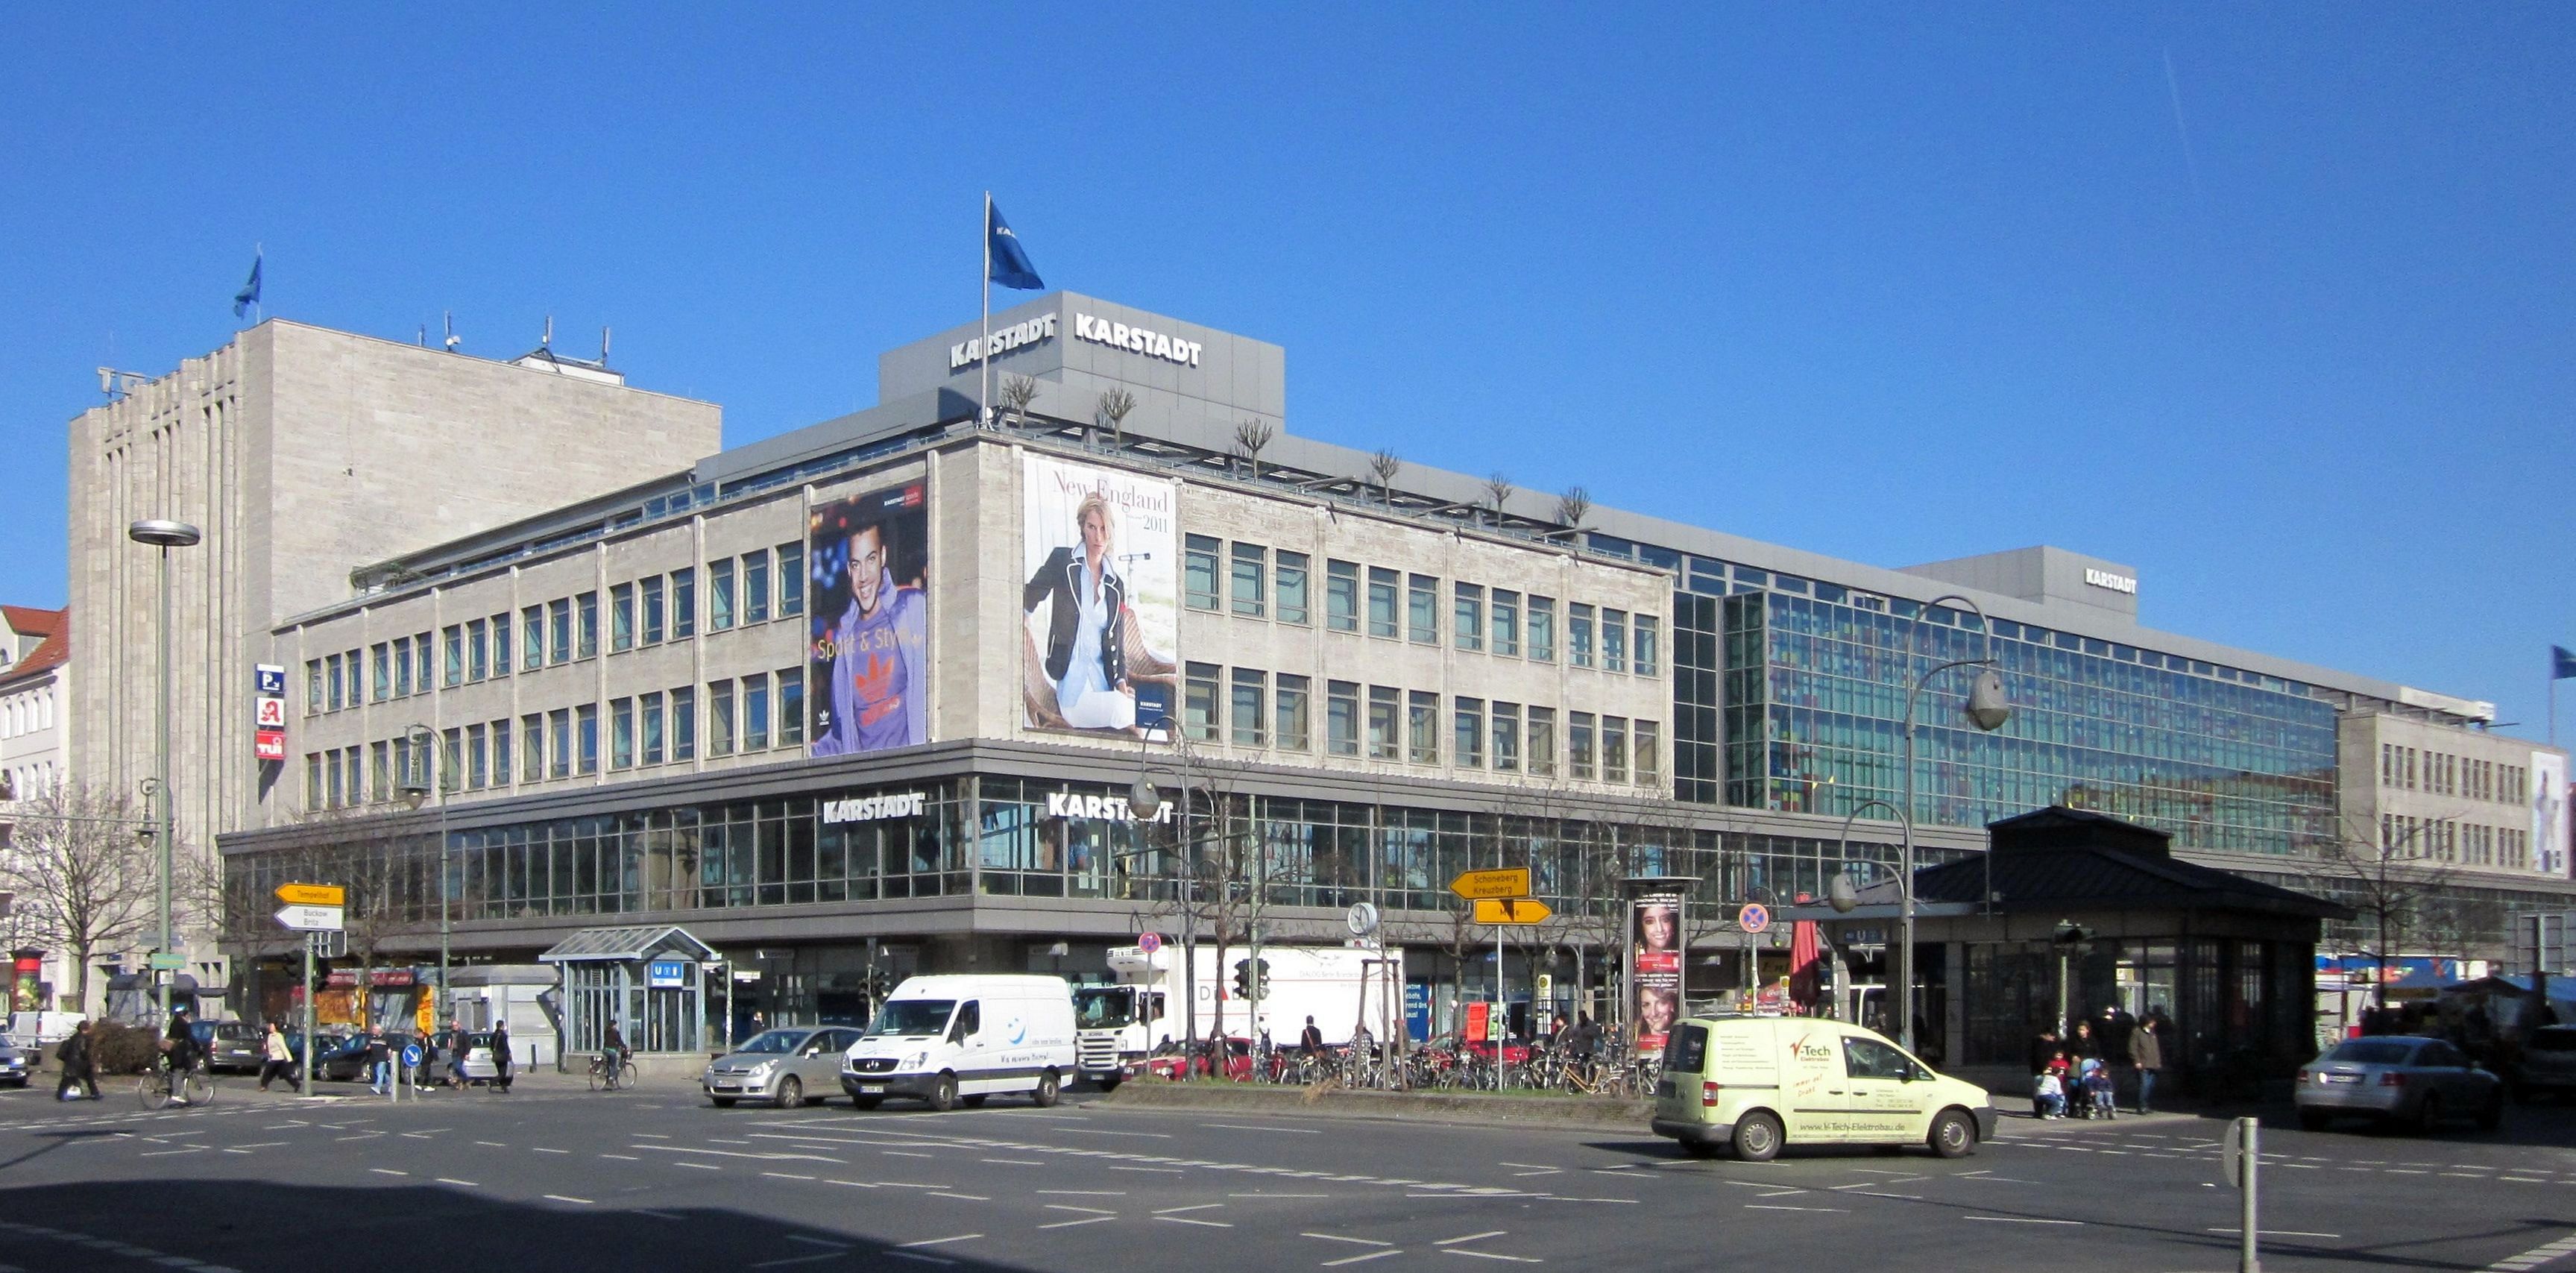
(449, 320)
(424, 335)
(547, 341)
(603, 346)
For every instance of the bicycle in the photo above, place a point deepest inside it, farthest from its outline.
(607, 1073)
(197, 1086)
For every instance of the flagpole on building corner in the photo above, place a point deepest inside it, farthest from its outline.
(984, 347)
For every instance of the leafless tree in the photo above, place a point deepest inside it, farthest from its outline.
(1383, 466)
(1250, 437)
(1498, 492)
(1112, 411)
(85, 883)
(1572, 507)
(2396, 884)
(1016, 394)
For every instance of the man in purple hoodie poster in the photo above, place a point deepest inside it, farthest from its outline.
(880, 678)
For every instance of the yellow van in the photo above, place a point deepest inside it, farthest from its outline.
(1753, 1084)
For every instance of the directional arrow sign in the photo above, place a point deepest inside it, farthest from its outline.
(314, 919)
(312, 894)
(1510, 910)
(1510, 881)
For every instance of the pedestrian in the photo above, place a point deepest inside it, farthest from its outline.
(501, 1058)
(2081, 1043)
(277, 1059)
(80, 1066)
(2100, 1097)
(2048, 1087)
(380, 1065)
(2043, 1049)
(2147, 1056)
(179, 1049)
(456, 1049)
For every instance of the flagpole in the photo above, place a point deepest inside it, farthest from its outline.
(984, 348)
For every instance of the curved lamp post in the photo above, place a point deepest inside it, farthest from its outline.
(1986, 709)
(1144, 801)
(415, 788)
(165, 535)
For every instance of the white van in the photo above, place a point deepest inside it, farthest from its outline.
(40, 1031)
(1753, 1084)
(953, 1038)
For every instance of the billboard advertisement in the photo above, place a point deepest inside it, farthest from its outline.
(2549, 813)
(867, 607)
(1101, 605)
(1655, 966)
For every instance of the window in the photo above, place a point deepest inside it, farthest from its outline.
(1542, 741)
(1342, 596)
(586, 609)
(313, 771)
(1422, 728)
(719, 595)
(1646, 638)
(559, 742)
(684, 723)
(408, 768)
(1198, 572)
(1198, 706)
(1385, 704)
(1422, 609)
(1467, 616)
(1507, 623)
(1251, 571)
(1578, 744)
(1614, 749)
(684, 603)
(1467, 733)
(1250, 714)
(357, 777)
(313, 690)
(1289, 587)
(1542, 629)
(378, 760)
(791, 579)
(338, 790)
(532, 747)
(478, 758)
(1650, 753)
(653, 625)
(380, 673)
(1614, 640)
(1342, 718)
(402, 667)
(339, 681)
(532, 638)
(1578, 635)
(1381, 602)
(500, 753)
(559, 619)
(651, 711)
(621, 617)
(791, 706)
(621, 733)
(451, 760)
(1507, 738)
(1289, 727)
(451, 640)
(755, 587)
(478, 647)
(586, 737)
(500, 645)
(755, 711)
(720, 718)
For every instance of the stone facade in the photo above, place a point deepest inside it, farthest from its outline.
(2456, 799)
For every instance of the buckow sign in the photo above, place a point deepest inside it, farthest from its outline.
(2116, 583)
(1035, 331)
(907, 804)
(1137, 340)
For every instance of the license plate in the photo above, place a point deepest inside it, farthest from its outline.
(872, 1087)
(2343, 1079)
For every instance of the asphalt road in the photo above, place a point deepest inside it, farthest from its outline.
(655, 1179)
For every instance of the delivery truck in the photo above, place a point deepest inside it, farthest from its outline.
(1143, 1012)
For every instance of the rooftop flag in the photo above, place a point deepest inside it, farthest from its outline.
(2562, 663)
(1010, 266)
(249, 294)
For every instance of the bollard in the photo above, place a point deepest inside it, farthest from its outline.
(2248, 1258)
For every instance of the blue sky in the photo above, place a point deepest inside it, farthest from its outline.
(2273, 302)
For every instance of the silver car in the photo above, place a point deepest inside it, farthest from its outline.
(2398, 1079)
(786, 1067)
(2548, 1063)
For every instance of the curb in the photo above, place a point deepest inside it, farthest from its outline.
(1573, 1113)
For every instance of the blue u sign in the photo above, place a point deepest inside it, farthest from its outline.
(666, 974)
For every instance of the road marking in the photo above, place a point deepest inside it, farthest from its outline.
(698, 1166)
(543, 1150)
(388, 1171)
(491, 1144)
(560, 1197)
(1070, 1224)
(652, 1135)
(623, 1157)
(962, 1237)
(837, 1246)
(1774, 1206)
(1168, 1171)
(2022, 1220)
(1094, 1131)
(1489, 1255)
(1203, 1206)
(451, 1180)
(2534, 1257)
(1255, 1127)
(1472, 1237)
(1204, 1224)
(916, 1255)
(897, 1153)
(1279, 1195)
(164, 1153)
(967, 1197)
(1355, 1259)
(785, 1175)
(2279, 1233)
(1016, 1162)
(1066, 1206)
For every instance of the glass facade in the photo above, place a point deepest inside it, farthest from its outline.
(1814, 689)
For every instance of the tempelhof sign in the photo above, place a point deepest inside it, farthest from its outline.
(1137, 340)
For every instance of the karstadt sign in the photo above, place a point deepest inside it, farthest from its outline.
(1137, 340)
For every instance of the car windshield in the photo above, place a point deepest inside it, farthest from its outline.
(913, 1016)
(1103, 1007)
(775, 1041)
(2374, 1051)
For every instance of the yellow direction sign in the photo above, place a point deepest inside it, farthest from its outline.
(1510, 910)
(312, 894)
(1510, 881)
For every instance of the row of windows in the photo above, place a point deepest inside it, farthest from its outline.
(2444, 840)
(1251, 707)
(2410, 769)
(643, 729)
(1255, 582)
(28, 714)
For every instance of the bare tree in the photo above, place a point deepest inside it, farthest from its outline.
(1249, 439)
(1498, 491)
(1016, 394)
(1383, 466)
(1112, 411)
(85, 882)
(2395, 883)
(1572, 507)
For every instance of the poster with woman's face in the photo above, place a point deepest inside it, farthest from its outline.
(1658, 934)
(1655, 938)
(1100, 604)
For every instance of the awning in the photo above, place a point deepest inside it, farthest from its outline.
(627, 945)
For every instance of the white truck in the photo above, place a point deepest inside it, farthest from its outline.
(1342, 987)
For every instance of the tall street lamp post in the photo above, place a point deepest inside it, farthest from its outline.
(164, 535)
(415, 788)
(1986, 709)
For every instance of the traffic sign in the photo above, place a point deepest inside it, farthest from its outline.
(312, 894)
(411, 1054)
(1509, 881)
(1753, 918)
(168, 963)
(1149, 942)
(311, 919)
(1511, 910)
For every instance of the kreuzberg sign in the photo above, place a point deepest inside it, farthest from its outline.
(907, 804)
(1034, 331)
(1137, 340)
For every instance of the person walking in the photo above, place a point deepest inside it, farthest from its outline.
(2147, 1056)
(501, 1058)
(456, 1050)
(2044, 1051)
(179, 1049)
(80, 1066)
(277, 1059)
(380, 1065)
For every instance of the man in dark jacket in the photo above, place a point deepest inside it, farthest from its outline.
(179, 1046)
(80, 1066)
(501, 1057)
(2147, 1054)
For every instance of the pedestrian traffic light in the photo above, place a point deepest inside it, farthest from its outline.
(1243, 978)
(1261, 979)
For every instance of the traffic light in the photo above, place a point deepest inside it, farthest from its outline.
(1261, 979)
(1243, 978)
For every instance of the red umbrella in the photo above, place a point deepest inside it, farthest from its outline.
(1806, 960)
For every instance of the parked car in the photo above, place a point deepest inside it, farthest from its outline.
(337, 1058)
(2547, 1065)
(2396, 1078)
(234, 1046)
(479, 1066)
(787, 1067)
(14, 1065)
(1166, 1061)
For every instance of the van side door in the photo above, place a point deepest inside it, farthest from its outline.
(1886, 1102)
(966, 1033)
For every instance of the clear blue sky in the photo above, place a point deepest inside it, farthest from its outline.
(2273, 302)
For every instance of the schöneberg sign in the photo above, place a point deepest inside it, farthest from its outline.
(1137, 340)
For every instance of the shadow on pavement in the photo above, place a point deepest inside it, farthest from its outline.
(259, 1227)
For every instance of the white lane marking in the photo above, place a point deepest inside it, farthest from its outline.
(897, 1153)
(1204, 1224)
(388, 1171)
(1491, 1255)
(1255, 1127)
(623, 1157)
(968, 1197)
(1071, 1224)
(1094, 1131)
(561, 1197)
(824, 1242)
(491, 1144)
(698, 1166)
(2534, 1257)
(543, 1150)
(1472, 1237)
(785, 1175)
(2279, 1233)
(962, 1237)
(1279, 1195)
(801, 1259)
(1355, 1259)
(1773, 1206)
(1202, 1206)
(451, 1180)
(1015, 1162)
(2022, 1220)
(1083, 1193)
(918, 1256)
(1335, 1237)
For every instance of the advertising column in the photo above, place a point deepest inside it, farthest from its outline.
(1655, 973)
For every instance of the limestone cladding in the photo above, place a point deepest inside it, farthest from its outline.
(2461, 799)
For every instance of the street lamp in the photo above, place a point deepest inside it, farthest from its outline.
(1144, 801)
(414, 788)
(1986, 709)
(164, 535)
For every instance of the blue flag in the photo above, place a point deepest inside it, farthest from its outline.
(249, 295)
(1011, 266)
(2562, 663)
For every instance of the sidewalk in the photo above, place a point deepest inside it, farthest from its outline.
(2015, 1112)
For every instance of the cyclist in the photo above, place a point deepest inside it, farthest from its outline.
(617, 1054)
(179, 1049)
